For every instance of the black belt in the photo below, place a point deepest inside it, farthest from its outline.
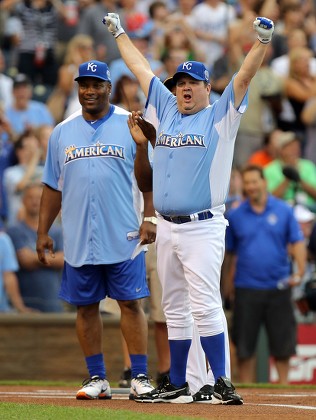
(203, 215)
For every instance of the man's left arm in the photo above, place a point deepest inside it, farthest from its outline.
(253, 60)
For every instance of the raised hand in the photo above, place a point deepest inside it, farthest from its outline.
(112, 21)
(264, 28)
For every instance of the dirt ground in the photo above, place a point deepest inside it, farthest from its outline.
(268, 404)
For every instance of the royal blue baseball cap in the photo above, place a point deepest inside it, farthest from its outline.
(195, 69)
(96, 69)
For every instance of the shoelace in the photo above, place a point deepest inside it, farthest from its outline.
(89, 380)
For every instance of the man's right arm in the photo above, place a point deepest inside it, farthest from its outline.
(50, 207)
(132, 57)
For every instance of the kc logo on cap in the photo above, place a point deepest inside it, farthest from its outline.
(96, 69)
(195, 69)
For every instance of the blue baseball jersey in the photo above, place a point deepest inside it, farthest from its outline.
(260, 242)
(193, 153)
(94, 170)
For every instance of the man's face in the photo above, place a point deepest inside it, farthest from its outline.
(254, 186)
(192, 95)
(94, 95)
(22, 95)
(291, 152)
(32, 200)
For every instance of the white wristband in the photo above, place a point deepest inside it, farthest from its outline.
(152, 220)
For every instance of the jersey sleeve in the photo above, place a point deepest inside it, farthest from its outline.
(229, 97)
(51, 175)
(159, 101)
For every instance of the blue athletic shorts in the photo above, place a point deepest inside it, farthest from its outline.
(92, 283)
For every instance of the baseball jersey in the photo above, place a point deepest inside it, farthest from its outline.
(94, 170)
(193, 153)
(260, 243)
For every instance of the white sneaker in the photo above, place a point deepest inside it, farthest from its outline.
(140, 385)
(94, 388)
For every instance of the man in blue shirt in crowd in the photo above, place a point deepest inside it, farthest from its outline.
(259, 233)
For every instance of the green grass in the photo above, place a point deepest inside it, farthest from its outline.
(49, 412)
(26, 411)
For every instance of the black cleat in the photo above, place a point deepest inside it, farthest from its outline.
(224, 393)
(204, 395)
(125, 380)
(160, 377)
(167, 393)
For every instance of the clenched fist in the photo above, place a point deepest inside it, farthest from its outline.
(264, 28)
(112, 21)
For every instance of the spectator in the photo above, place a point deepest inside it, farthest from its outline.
(6, 85)
(308, 117)
(235, 192)
(26, 113)
(291, 18)
(171, 58)
(43, 133)
(298, 184)
(10, 296)
(312, 245)
(17, 177)
(268, 152)
(13, 33)
(67, 24)
(300, 86)
(63, 100)
(140, 38)
(179, 36)
(183, 11)
(39, 283)
(240, 38)
(36, 50)
(7, 158)
(104, 45)
(306, 220)
(211, 20)
(259, 232)
(265, 98)
(296, 39)
(127, 94)
(159, 13)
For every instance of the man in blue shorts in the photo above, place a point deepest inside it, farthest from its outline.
(89, 176)
(261, 230)
(191, 173)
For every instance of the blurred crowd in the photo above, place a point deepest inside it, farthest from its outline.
(43, 42)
